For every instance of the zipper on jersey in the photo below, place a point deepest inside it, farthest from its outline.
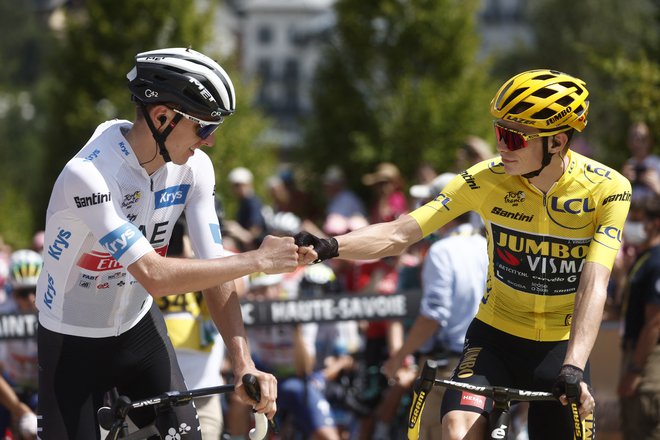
(151, 181)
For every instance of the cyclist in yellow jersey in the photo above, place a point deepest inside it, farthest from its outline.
(554, 220)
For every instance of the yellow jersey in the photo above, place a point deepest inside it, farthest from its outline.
(537, 243)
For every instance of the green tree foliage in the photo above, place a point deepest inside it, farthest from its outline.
(240, 142)
(89, 64)
(397, 82)
(614, 47)
(87, 84)
(22, 46)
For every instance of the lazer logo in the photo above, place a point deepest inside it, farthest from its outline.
(50, 292)
(518, 119)
(120, 240)
(174, 195)
(61, 242)
(571, 206)
(94, 199)
(621, 197)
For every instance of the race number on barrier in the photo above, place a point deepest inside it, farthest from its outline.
(401, 305)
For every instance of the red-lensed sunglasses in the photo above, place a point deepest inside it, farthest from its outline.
(515, 140)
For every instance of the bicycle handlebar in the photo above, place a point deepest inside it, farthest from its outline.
(252, 389)
(113, 419)
(427, 380)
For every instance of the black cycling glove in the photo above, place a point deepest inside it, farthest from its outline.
(325, 248)
(568, 382)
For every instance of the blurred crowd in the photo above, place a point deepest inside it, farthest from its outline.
(352, 379)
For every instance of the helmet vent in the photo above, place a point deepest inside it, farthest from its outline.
(544, 93)
(513, 96)
(544, 114)
(544, 77)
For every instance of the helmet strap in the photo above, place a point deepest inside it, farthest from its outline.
(547, 157)
(160, 137)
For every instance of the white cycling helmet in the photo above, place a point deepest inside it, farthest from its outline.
(24, 269)
(184, 77)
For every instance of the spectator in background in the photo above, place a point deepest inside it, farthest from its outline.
(473, 151)
(38, 241)
(643, 167)
(336, 344)
(390, 201)
(639, 384)
(197, 342)
(344, 209)
(425, 173)
(16, 410)
(18, 357)
(288, 352)
(249, 228)
(288, 198)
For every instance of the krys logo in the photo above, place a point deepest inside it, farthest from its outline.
(61, 242)
(50, 294)
(174, 195)
(118, 241)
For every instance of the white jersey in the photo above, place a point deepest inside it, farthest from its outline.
(106, 212)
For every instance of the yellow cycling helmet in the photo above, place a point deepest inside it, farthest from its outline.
(544, 99)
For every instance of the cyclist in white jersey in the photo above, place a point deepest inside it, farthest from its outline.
(108, 224)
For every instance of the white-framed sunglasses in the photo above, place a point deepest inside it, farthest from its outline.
(206, 128)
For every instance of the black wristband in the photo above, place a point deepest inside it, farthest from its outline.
(568, 381)
(325, 248)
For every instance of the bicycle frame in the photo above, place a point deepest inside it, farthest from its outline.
(114, 419)
(499, 419)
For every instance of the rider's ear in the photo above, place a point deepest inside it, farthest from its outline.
(556, 144)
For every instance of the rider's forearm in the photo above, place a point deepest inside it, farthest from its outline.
(225, 310)
(420, 332)
(162, 276)
(587, 313)
(380, 239)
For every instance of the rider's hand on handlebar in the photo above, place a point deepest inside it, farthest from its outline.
(268, 386)
(572, 374)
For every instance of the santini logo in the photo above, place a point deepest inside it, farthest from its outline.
(94, 199)
(174, 195)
